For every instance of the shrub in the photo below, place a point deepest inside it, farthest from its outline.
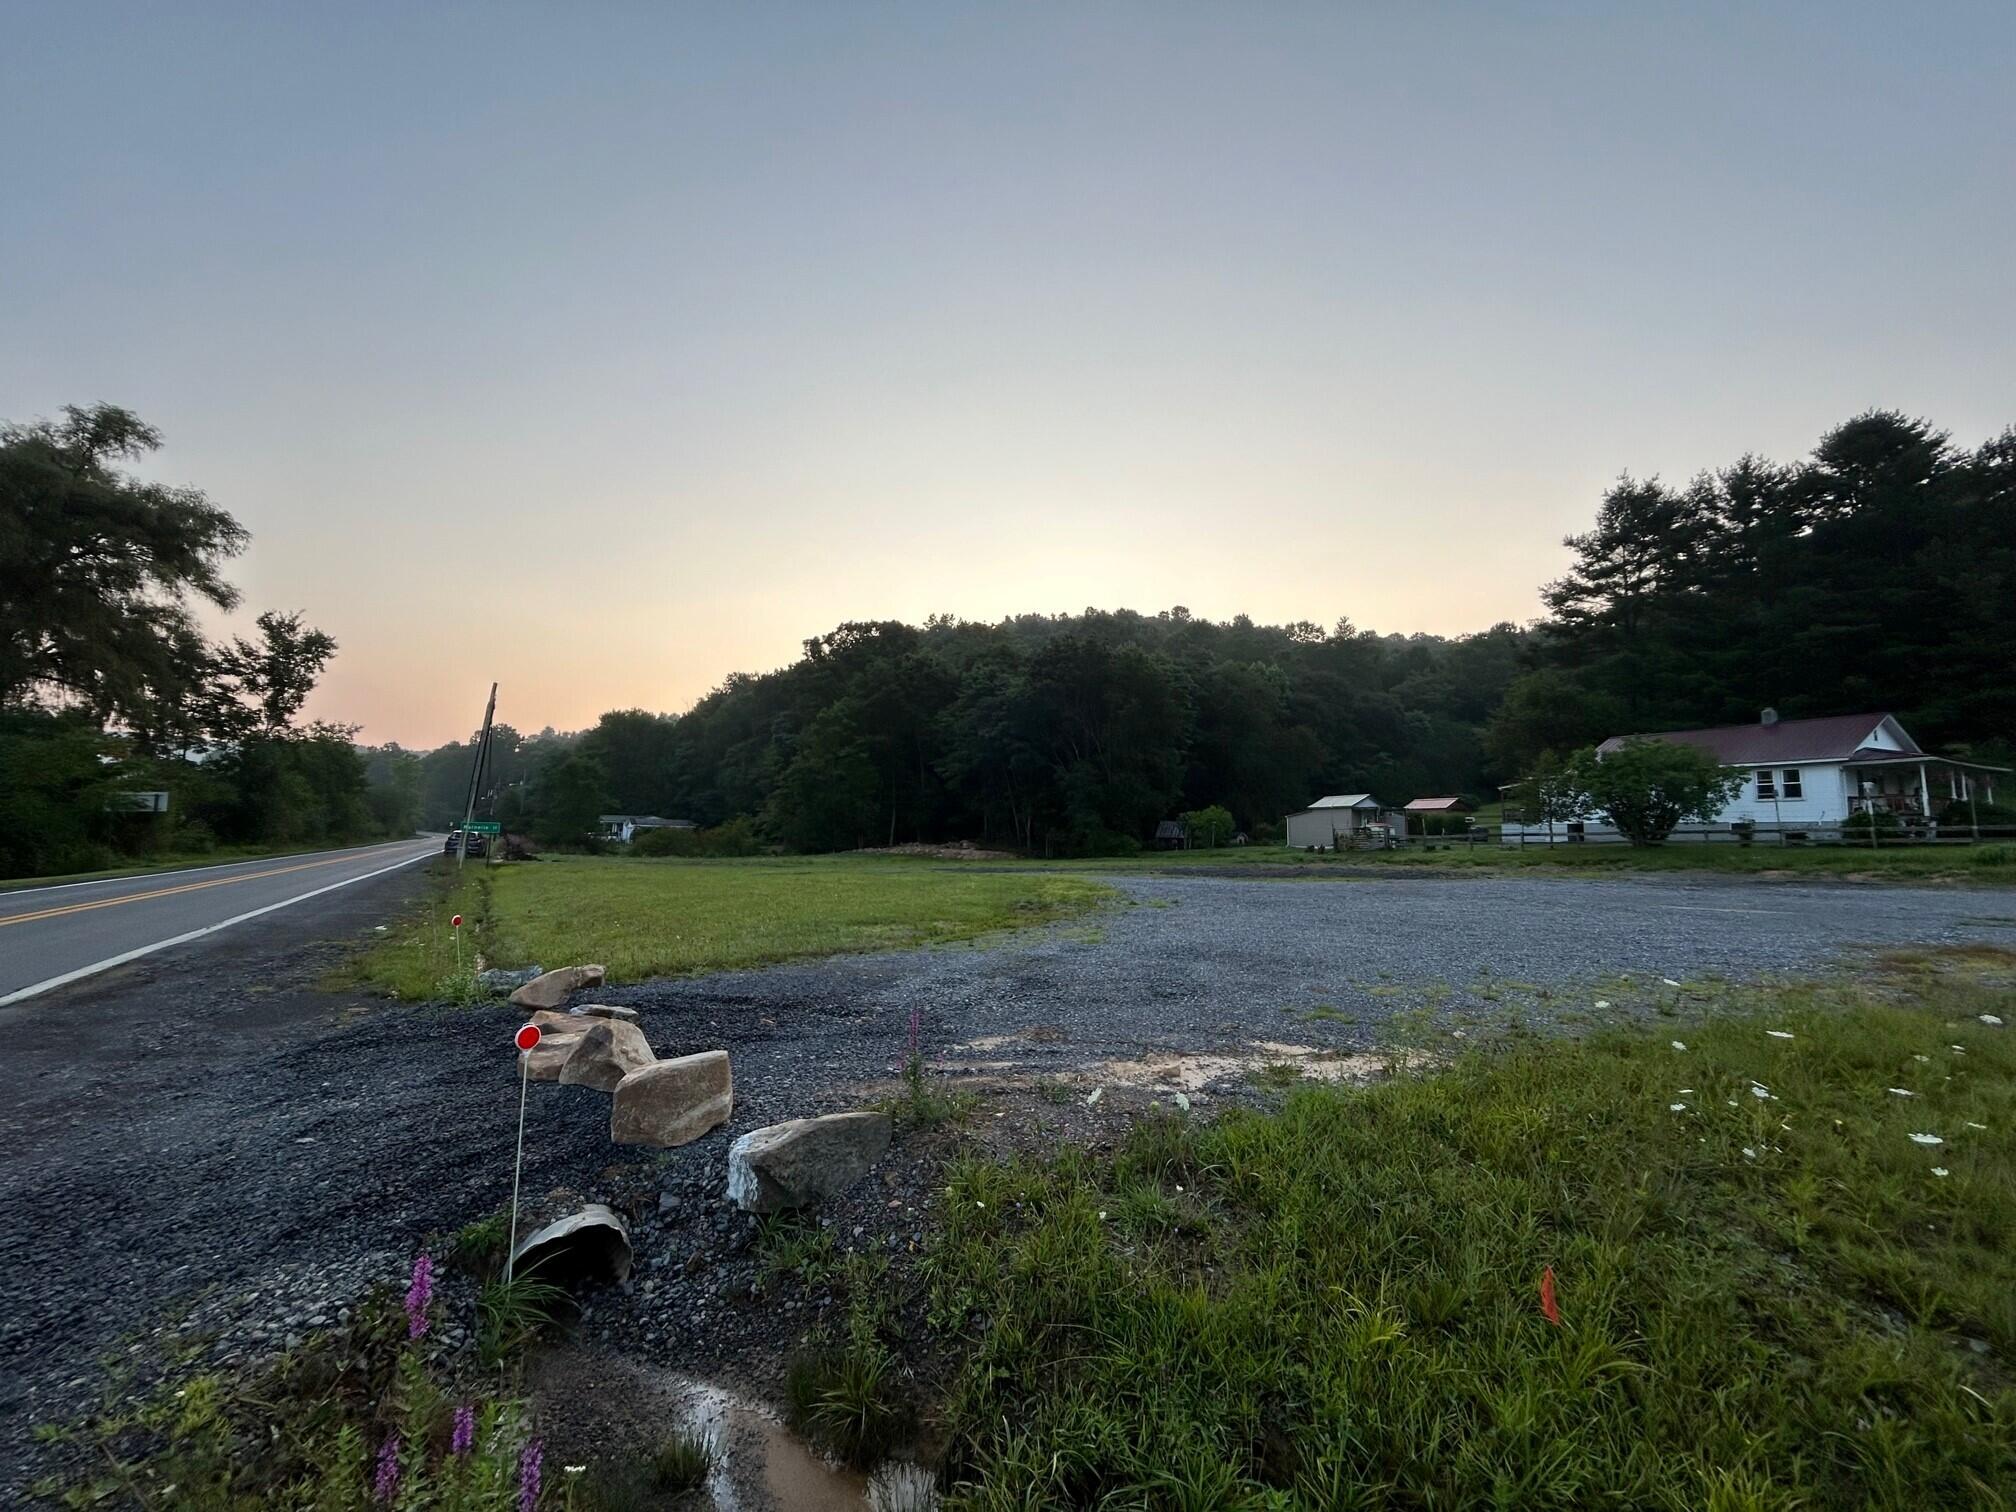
(737, 837)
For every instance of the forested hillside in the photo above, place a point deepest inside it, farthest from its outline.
(1880, 573)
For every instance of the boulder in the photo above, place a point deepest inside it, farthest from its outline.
(590, 1245)
(791, 1164)
(497, 982)
(604, 1010)
(673, 1102)
(551, 988)
(609, 1051)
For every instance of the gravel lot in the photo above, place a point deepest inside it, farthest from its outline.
(205, 1128)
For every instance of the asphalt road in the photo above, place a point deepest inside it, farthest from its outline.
(51, 936)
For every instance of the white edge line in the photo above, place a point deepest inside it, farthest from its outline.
(196, 934)
(184, 871)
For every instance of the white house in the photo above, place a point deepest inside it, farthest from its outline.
(1809, 776)
(1343, 816)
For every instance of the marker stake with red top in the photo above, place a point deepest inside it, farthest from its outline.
(455, 928)
(526, 1040)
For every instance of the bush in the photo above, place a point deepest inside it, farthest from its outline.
(737, 837)
(1987, 815)
(1861, 826)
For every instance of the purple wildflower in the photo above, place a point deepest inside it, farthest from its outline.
(528, 1475)
(387, 1483)
(916, 1033)
(419, 1296)
(464, 1437)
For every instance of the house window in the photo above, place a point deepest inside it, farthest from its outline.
(1765, 787)
(1792, 788)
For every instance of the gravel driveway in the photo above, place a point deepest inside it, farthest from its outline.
(208, 1126)
(1193, 963)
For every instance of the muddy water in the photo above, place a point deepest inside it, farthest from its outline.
(759, 1454)
(601, 1410)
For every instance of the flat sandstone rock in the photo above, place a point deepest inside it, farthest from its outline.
(609, 1051)
(673, 1102)
(551, 989)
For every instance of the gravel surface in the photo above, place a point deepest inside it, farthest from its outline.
(206, 1139)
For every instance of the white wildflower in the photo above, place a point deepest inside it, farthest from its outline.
(1990, 1018)
(1924, 1059)
(1940, 1171)
(1686, 1089)
(1927, 1139)
(1676, 1107)
(1902, 1092)
(1778, 1033)
(1669, 981)
(1748, 1153)
(1679, 1044)
(1762, 1094)
(1602, 1002)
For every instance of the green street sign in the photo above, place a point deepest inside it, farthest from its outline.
(485, 827)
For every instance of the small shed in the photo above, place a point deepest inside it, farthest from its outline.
(1344, 817)
(1170, 834)
(1440, 806)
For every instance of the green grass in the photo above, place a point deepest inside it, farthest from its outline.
(1765, 1302)
(645, 918)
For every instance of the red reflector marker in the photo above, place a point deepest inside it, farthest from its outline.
(527, 1037)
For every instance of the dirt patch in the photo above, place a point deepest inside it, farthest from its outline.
(1180, 1072)
(965, 850)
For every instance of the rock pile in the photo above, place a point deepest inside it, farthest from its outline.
(666, 1103)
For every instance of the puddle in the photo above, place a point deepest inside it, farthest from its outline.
(758, 1452)
(596, 1408)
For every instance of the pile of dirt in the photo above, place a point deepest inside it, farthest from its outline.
(960, 850)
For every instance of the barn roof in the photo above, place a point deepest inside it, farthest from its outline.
(1436, 805)
(1345, 800)
(1838, 737)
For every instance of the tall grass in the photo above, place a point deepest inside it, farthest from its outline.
(1770, 1296)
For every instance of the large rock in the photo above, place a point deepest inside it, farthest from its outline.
(550, 989)
(560, 1034)
(791, 1164)
(608, 1052)
(603, 1010)
(497, 981)
(673, 1102)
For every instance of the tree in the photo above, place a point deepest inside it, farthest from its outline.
(1647, 788)
(258, 687)
(98, 570)
(1209, 827)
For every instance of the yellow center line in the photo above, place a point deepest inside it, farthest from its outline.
(186, 887)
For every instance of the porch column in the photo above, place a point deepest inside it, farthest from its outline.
(1924, 792)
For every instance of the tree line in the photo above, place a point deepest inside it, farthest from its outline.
(1878, 573)
(109, 689)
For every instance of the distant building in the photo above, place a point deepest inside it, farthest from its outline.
(1347, 817)
(1439, 806)
(1811, 776)
(624, 827)
(1171, 834)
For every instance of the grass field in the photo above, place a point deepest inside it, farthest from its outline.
(668, 917)
(1779, 1282)
(1983, 864)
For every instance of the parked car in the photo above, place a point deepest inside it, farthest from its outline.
(479, 845)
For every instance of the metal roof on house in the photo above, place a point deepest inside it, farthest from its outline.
(1838, 737)
(1344, 800)
(1435, 805)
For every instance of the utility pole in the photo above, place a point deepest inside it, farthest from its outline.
(475, 773)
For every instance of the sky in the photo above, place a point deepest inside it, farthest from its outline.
(604, 350)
